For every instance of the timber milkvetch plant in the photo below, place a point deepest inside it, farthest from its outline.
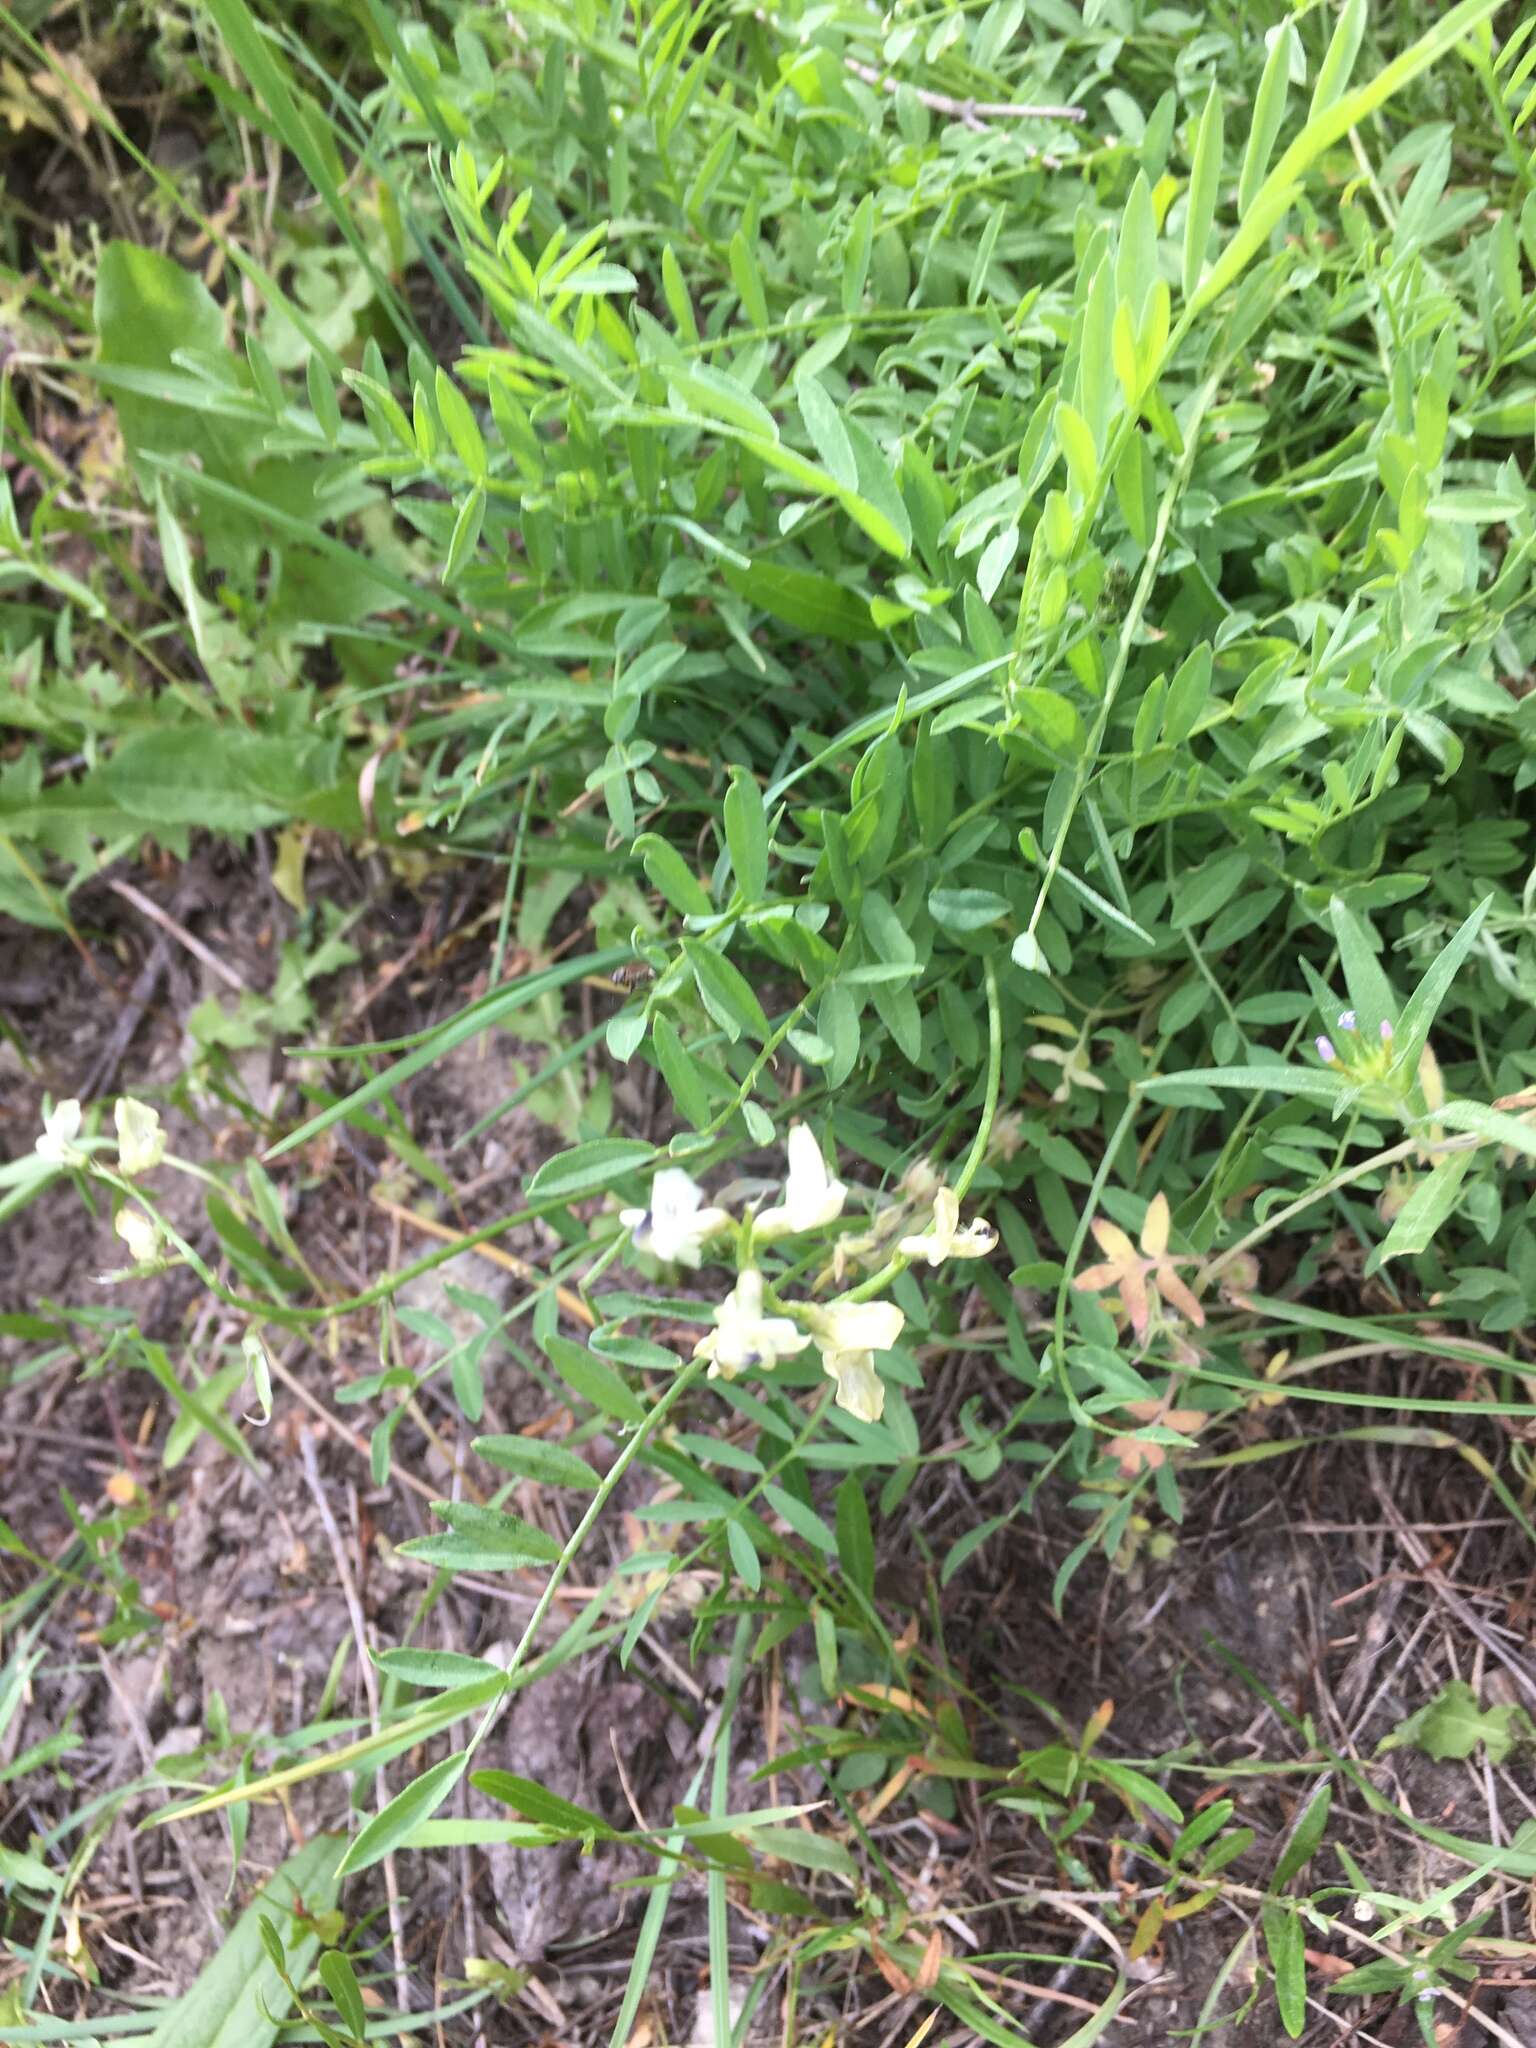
(929, 596)
(752, 1328)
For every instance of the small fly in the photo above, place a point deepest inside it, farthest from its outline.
(633, 974)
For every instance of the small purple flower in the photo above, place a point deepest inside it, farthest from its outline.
(1348, 1021)
(1325, 1052)
(1386, 1030)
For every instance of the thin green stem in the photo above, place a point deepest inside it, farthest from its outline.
(1088, 760)
(1520, 158)
(983, 1135)
(689, 1375)
(1074, 1250)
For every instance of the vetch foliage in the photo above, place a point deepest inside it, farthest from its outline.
(997, 648)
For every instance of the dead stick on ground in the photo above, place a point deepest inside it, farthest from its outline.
(194, 945)
(370, 1687)
(573, 1304)
(140, 996)
(974, 113)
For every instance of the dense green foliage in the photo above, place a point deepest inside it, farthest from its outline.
(1023, 628)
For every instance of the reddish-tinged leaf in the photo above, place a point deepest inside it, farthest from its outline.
(1133, 1292)
(1094, 1279)
(1134, 1454)
(1177, 1295)
(1114, 1243)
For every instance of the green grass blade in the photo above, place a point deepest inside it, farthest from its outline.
(239, 2000)
(478, 1017)
(1273, 200)
(262, 64)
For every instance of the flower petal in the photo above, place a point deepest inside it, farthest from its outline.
(1154, 1229)
(807, 1166)
(860, 1389)
(812, 1198)
(928, 1246)
(61, 1127)
(1177, 1295)
(857, 1325)
(675, 1193)
(139, 1232)
(140, 1140)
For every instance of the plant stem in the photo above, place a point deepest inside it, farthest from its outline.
(1389, 1157)
(621, 1464)
(1088, 760)
(994, 1084)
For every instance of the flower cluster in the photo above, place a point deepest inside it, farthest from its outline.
(140, 1149)
(1380, 1077)
(1357, 1054)
(752, 1327)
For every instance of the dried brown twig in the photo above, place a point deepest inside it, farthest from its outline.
(973, 113)
(358, 1621)
(147, 907)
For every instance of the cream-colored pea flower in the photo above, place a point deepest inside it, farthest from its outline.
(743, 1336)
(848, 1334)
(140, 1233)
(140, 1140)
(61, 1127)
(921, 1182)
(945, 1239)
(259, 1370)
(1076, 1063)
(1007, 1137)
(850, 1253)
(676, 1224)
(811, 1196)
